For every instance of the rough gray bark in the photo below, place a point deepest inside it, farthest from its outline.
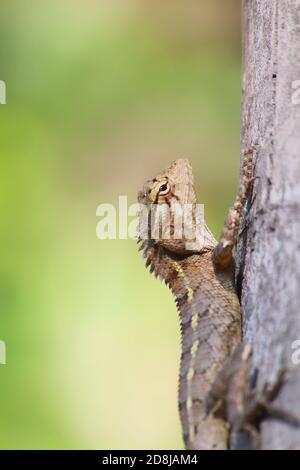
(271, 271)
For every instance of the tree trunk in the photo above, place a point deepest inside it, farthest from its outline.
(270, 251)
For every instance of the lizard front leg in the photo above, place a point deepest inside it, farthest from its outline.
(222, 254)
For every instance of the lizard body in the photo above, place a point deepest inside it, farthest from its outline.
(202, 280)
(211, 329)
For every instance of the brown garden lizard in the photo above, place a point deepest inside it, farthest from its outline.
(201, 275)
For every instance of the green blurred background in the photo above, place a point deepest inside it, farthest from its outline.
(100, 96)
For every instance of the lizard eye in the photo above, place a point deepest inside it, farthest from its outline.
(164, 189)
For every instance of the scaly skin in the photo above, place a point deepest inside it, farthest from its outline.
(202, 282)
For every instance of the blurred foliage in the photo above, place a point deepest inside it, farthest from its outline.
(100, 96)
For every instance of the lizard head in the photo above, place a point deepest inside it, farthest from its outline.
(164, 197)
(159, 200)
(176, 183)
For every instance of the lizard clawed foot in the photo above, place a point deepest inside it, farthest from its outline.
(257, 408)
(268, 395)
(250, 150)
(234, 398)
